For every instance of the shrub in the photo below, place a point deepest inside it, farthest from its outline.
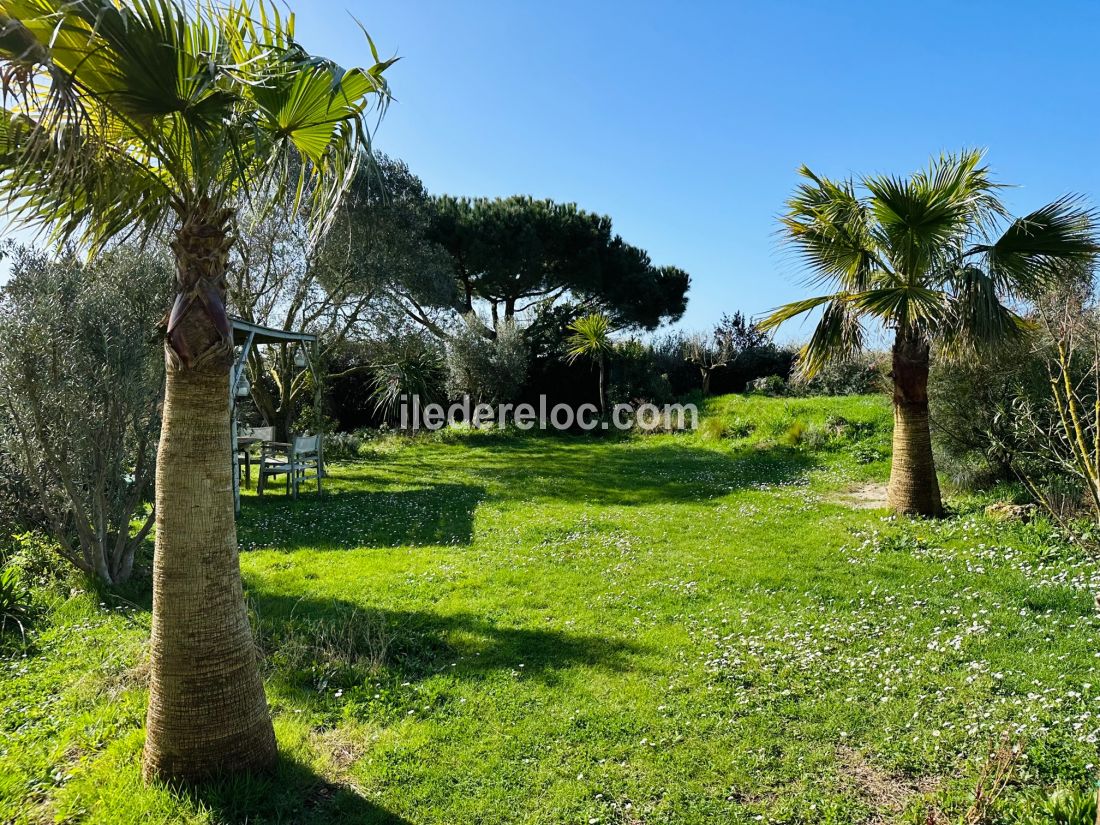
(34, 556)
(15, 603)
(794, 434)
(406, 365)
(490, 369)
(1060, 807)
(634, 375)
(81, 378)
(970, 401)
(342, 446)
(772, 385)
(862, 374)
(866, 454)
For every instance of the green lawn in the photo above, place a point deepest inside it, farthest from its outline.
(484, 628)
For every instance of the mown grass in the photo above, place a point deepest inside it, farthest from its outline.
(495, 628)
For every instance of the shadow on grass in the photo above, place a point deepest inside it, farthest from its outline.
(635, 473)
(398, 501)
(292, 795)
(316, 645)
(432, 514)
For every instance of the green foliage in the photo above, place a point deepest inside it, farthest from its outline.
(589, 337)
(128, 117)
(863, 373)
(380, 245)
(970, 403)
(919, 255)
(407, 365)
(1060, 807)
(81, 378)
(518, 252)
(15, 603)
(772, 385)
(34, 556)
(635, 375)
(488, 367)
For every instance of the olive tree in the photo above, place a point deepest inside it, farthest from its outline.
(81, 381)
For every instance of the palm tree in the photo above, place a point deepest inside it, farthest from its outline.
(921, 256)
(591, 338)
(132, 119)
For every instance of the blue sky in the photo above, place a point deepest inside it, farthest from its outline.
(686, 122)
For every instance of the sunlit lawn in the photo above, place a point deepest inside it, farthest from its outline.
(664, 629)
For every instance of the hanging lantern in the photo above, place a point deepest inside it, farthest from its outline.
(243, 387)
(300, 358)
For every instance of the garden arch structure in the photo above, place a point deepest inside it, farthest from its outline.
(247, 335)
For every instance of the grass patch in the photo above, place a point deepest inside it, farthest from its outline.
(686, 628)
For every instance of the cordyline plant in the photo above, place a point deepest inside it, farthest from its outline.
(922, 256)
(144, 117)
(590, 337)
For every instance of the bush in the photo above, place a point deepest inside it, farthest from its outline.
(1060, 807)
(490, 369)
(81, 371)
(771, 385)
(409, 365)
(34, 556)
(970, 400)
(15, 603)
(634, 377)
(862, 374)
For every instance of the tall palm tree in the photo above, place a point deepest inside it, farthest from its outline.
(136, 118)
(590, 337)
(922, 257)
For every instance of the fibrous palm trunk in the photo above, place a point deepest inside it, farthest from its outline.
(914, 488)
(207, 711)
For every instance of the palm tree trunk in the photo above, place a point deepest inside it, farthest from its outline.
(207, 711)
(914, 488)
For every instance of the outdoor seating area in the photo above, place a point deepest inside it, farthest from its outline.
(298, 460)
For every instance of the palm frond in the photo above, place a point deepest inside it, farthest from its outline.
(830, 227)
(923, 221)
(903, 305)
(976, 319)
(786, 312)
(837, 336)
(212, 104)
(1040, 248)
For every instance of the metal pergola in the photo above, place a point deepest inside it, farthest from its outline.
(247, 335)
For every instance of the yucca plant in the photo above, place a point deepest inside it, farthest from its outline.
(146, 117)
(15, 603)
(926, 258)
(590, 337)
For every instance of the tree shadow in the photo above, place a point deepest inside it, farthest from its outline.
(315, 645)
(634, 472)
(293, 794)
(432, 514)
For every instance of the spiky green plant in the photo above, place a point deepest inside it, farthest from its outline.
(147, 117)
(590, 337)
(935, 259)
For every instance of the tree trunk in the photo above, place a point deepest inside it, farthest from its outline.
(603, 387)
(207, 711)
(914, 488)
(706, 381)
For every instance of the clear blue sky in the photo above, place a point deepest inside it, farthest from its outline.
(686, 121)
